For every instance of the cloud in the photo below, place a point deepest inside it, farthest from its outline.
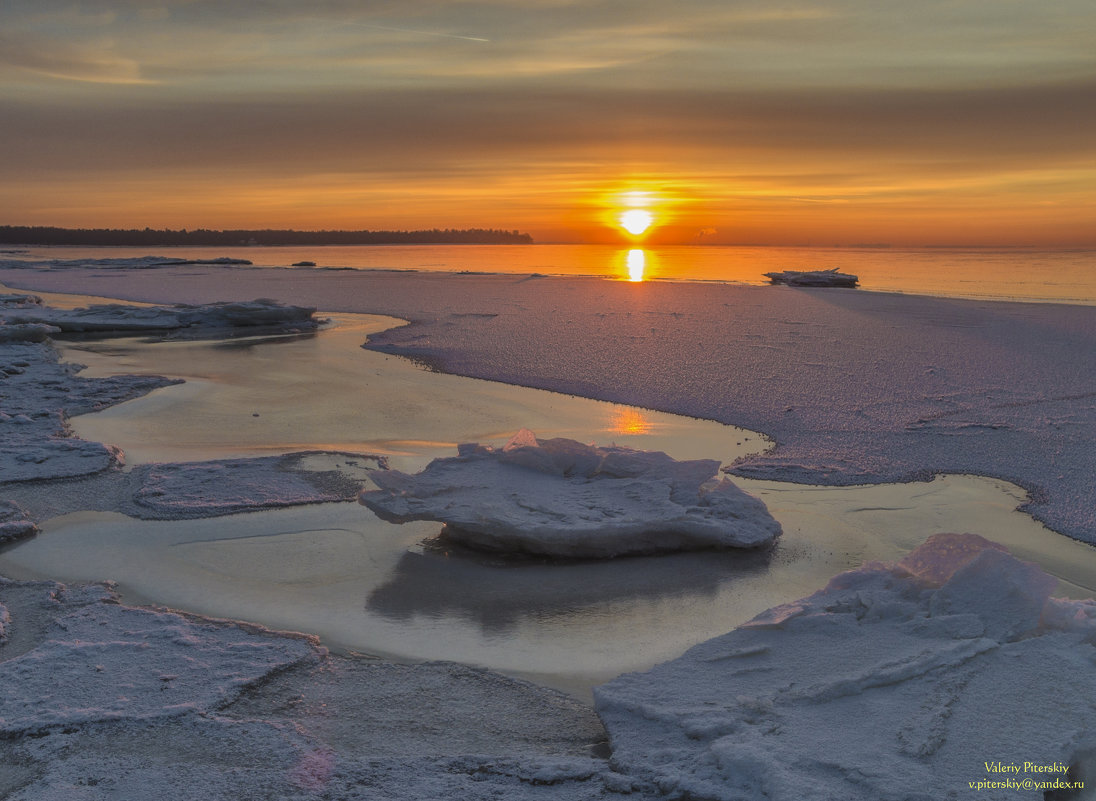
(830, 102)
(95, 62)
(696, 44)
(864, 136)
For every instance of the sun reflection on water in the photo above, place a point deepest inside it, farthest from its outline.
(637, 263)
(626, 420)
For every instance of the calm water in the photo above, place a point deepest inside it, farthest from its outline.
(1067, 276)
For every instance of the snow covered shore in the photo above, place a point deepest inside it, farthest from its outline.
(855, 387)
(21, 311)
(102, 701)
(937, 645)
(105, 701)
(897, 681)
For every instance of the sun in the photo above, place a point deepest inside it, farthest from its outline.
(636, 221)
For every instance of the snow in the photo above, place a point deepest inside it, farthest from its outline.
(225, 486)
(108, 662)
(104, 701)
(560, 497)
(855, 387)
(123, 318)
(15, 523)
(897, 681)
(37, 393)
(117, 263)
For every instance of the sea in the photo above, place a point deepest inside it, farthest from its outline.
(1015, 274)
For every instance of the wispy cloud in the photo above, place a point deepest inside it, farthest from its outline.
(808, 103)
(94, 62)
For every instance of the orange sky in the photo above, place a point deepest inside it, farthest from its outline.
(836, 122)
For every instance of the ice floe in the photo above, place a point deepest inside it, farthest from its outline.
(897, 681)
(225, 486)
(116, 263)
(828, 278)
(15, 523)
(123, 318)
(559, 497)
(37, 393)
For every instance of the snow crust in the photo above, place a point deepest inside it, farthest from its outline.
(37, 393)
(119, 263)
(560, 497)
(103, 701)
(15, 523)
(106, 662)
(897, 681)
(855, 387)
(225, 486)
(122, 318)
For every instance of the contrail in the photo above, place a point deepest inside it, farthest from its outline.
(403, 30)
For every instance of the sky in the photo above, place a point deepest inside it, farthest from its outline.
(936, 122)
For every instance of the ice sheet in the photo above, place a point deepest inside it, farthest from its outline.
(855, 386)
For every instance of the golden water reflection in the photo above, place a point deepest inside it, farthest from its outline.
(628, 420)
(637, 264)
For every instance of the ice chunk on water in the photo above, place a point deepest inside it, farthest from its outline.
(563, 498)
(225, 486)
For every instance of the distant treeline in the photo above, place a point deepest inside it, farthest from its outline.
(41, 235)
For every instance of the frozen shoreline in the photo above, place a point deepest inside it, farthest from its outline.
(985, 411)
(106, 701)
(855, 387)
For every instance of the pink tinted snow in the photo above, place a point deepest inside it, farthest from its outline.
(883, 681)
(856, 387)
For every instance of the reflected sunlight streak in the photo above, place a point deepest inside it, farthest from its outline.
(627, 420)
(637, 263)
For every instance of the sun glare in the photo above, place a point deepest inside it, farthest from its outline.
(637, 264)
(626, 420)
(636, 221)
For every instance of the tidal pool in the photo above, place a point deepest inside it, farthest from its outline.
(363, 585)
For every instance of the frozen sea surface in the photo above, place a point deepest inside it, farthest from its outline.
(364, 585)
(856, 387)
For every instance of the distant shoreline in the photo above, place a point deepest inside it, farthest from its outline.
(149, 237)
